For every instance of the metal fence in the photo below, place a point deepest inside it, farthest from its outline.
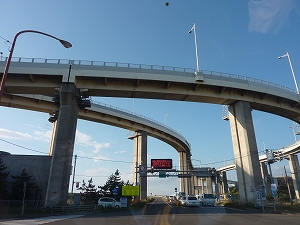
(145, 66)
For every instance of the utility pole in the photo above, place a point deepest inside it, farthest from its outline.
(287, 182)
(73, 179)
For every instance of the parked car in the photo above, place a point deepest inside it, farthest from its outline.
(108, 202)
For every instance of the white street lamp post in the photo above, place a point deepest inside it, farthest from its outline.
(287, 55)
(196, 46)
(198, 161)
(166, 119)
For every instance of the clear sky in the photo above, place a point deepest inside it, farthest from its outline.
(242, 37)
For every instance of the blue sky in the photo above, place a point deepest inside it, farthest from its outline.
(242, 37)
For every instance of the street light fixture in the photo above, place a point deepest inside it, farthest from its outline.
(294, 130)
(196, 46)
(264, 144)
(166, 119)
(66, 44)
(198, 161)
(287, 55)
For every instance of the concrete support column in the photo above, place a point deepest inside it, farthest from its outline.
(201, 184)
(190, 181)
(194, 184)
(140, 158)
(209, 186)
(183, 167)
(224, 183)
(63, 146)
(265, 173)
(54, 125)
(295, 172)
(245, 150)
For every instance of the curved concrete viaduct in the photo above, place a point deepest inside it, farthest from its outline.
(142, 81)
(105, 114)
(242, 94)
(288, 150)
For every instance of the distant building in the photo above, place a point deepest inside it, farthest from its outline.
(37, 166)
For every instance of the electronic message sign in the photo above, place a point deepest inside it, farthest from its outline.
(161, 163)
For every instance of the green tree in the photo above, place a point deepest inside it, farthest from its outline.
(113, 182)
(89, 193)
(3, 176)
(18, 185)
(282, 189)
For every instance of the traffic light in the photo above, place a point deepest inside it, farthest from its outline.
(213, 172)
(278, 155)
(152, 169)
(267, 178)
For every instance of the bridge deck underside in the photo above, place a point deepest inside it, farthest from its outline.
(157, 89)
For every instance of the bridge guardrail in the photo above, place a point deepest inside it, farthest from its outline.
(145, 66)
(141, 116)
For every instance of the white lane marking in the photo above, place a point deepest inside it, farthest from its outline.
(38, 221)
(152, 202)
(169, 205)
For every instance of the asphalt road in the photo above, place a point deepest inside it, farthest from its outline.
(160, 213)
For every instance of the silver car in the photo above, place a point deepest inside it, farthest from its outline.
(192, 201)
(108, 202)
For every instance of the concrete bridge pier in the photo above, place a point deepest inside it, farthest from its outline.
(195, 185)
(62, 147)
(183, 167)
(209, 186)
(245, 150)
(191, 183)
(224, 185)
(295, 172)
(140, 158)
(265, 173)
(201, 185)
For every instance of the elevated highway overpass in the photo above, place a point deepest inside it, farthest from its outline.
(103, 113)
(242, 94)
(286, 152)
(43, 76)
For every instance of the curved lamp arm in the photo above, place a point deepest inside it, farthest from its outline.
(66, 44)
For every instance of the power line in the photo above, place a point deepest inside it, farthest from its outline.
(22, 146)
(120, 161)
(5, 39)
(107, 160)
(6, 42)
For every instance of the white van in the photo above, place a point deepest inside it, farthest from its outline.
(207, 199)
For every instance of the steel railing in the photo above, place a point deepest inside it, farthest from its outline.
(145, 66)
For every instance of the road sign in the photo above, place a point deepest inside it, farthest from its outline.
(142, 170)
(274, 190)
(115, 191)
(123, 202)
(130, 190)
(162, 174)
(161, 163)
(263, 192)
